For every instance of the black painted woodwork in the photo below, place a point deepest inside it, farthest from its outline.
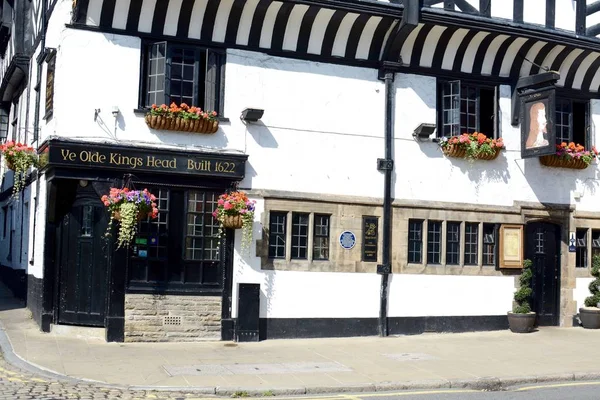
(542, 244)
(227, 250)
(304, 328)
(82, 255)
(247, 327)
(137, 160)
(48, 285)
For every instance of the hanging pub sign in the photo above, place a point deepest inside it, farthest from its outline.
(537, 111)
(50, 69)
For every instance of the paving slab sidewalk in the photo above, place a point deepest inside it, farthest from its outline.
(483, 360)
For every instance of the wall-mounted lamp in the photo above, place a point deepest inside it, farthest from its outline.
(115, 111)
(96, 113)
(252, 114)
(424, 131)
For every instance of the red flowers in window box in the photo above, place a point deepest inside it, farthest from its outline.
(472, 146)
(571, 155)
(182, 118)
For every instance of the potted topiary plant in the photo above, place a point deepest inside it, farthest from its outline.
(590, 314)
(522, 319)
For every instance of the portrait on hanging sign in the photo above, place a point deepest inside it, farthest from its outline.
(537, 124)
(538, 132)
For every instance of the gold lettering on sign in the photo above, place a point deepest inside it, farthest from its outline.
(225, 166)
(67, 155)
(94, 157)
(120, 159)
(155, 162)
(203, 165)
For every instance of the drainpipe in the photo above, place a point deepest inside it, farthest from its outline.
(386, 165)
(391, 63)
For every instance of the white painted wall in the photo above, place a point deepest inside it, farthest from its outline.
(447, 295)
(534, 12)
(500, 182)
(581, 291)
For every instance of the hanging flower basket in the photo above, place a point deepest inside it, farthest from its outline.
(235, 211)
(233, 221)
(472, 146)
(127, 207)
(182, 118)
(142, 215)
(19, 157)
(572, 156)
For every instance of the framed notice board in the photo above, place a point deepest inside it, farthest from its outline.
(511, 246)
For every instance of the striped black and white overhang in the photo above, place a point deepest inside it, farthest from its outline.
(355, 33)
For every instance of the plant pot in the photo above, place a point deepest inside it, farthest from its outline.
(454, 151)
(233, 221)
(521, 323)
(590, 317)
(460, 152)
(562, 162)
(179, 124)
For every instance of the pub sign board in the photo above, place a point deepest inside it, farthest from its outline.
(537, 95)
(131, 159)
(50, 69)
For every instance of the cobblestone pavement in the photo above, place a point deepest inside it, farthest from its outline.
(16, 384)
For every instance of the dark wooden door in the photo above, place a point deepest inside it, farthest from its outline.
(542, 248)
(82, 257)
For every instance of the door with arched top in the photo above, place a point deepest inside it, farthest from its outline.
(543, 249)
(82, 256)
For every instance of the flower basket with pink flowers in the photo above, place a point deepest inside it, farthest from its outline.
(235, 211)
(182, 118)
(473, 146)
(19, 157)
(572, 155)
(128, 207)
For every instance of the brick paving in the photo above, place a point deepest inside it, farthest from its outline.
(16, 384)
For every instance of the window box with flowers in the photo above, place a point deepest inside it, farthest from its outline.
(128, 207)
(19, 157)
(572, 155)
(472, 146)
(235, 211)
(182, 118)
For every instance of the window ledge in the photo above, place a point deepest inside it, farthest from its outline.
(144, 111)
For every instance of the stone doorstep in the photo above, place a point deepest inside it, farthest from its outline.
(80, 332)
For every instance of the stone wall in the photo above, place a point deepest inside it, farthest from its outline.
(166, 318)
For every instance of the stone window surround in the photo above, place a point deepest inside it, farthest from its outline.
(519, 213)
(591, 223)
(403, 210)
(444, 243)
(342, 216)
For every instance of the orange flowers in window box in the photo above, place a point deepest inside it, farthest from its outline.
(473, 146)
(182, 118)
(571, 155)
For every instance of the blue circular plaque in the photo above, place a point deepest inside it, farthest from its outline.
(347, 240)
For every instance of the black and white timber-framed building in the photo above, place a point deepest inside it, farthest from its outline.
(342, 84)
